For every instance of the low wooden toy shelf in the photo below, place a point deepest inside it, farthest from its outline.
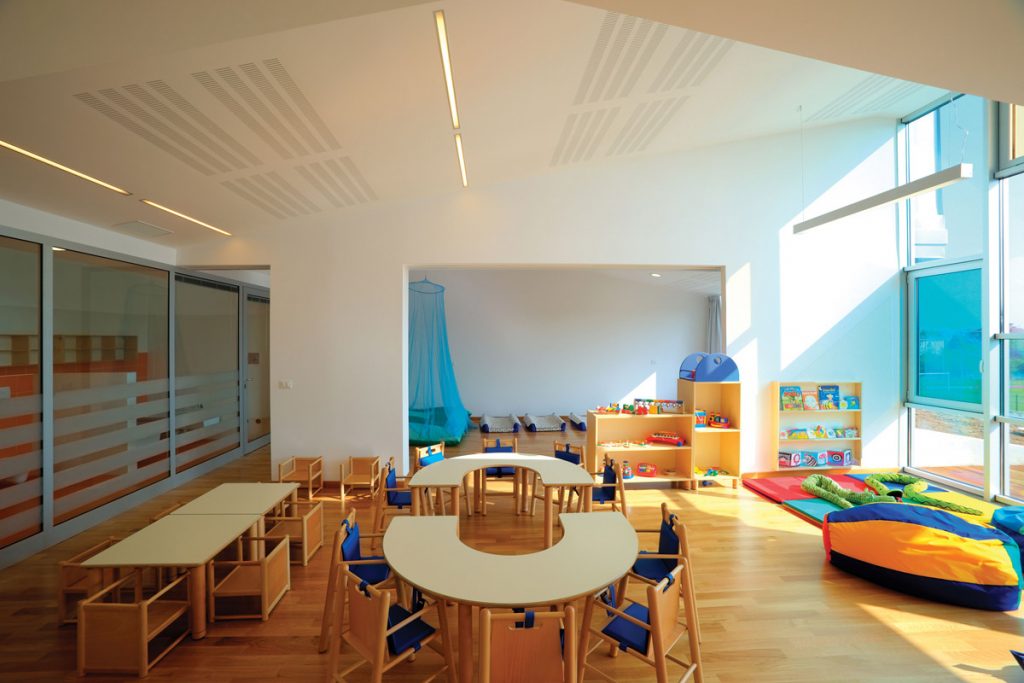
(704, 447)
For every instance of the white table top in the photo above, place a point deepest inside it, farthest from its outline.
(596, 550)
(552, 471)
(238, 499)
(175, 541)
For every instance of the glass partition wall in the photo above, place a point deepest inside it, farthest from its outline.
(119, 379)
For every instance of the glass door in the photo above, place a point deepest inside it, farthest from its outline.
(257, 369)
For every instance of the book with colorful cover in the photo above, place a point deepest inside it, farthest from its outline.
(810, 401)
(791, 397)
(849, 403)
(828, 396)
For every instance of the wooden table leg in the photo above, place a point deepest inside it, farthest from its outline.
(197, 599)
(549, 517)
(465, 643)
(416, 502)
(455, 501)
(587, 494)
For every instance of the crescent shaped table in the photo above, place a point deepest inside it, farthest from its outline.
(596, 550)
(450, 473)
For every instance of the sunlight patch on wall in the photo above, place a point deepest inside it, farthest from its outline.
(646, 389)
(738, 302)
(827, 272)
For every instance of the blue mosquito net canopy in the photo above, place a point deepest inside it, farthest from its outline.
(436, 412)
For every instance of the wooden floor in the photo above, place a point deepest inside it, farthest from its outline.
(771, 609)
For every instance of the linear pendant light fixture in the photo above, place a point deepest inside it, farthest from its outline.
(449, 82)
(61, 167)
(929, 183)
(181, 215)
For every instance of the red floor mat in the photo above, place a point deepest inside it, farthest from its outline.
(781, 489)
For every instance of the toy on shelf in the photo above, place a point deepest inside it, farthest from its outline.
(705, 367)
(700, 418)
(627, 471)
(646, 469)
(717, 421)
(670, 438)
(622, 444)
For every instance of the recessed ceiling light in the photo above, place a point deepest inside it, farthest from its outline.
(446, 62)
(58, 248)
(655, 274)
(181, 215)
(62, 167)
(462, 159)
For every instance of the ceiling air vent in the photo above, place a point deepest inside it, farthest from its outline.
(141, 229)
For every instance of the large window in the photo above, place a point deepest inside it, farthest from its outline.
(1012, 413)
(206, 369)
(111, 410)
(21, 429)
(948, 223)
(946, 332)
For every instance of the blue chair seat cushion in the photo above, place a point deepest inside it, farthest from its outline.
(500, 471)
(409, 636)
(399, 498)
(653, 568)
(371, 573)
(604, 494)
(628, 634)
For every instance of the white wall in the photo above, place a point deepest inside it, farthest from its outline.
(559, 340)
(823, 305)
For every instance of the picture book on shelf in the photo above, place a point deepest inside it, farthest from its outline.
(791, 398)
(849, 403)
(810, 402)
(828, 396)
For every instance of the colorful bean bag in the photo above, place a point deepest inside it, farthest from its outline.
(926, 552)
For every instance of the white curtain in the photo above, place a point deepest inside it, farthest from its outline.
(714, 336)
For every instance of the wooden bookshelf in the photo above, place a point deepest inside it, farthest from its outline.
(834, 419)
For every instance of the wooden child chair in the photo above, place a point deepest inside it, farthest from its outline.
(383, 633)
(307, 472)
(492, 473)
(250, 588)
(527, 646)
(611, 488)
(361, 472)
(303, 523)
(673, 550)
(424, 456)
(574, 455)
(648, 632)
(347, 556)
(76, 583)
(393, 498)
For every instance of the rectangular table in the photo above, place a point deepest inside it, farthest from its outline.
(189, 540)
(240, 499)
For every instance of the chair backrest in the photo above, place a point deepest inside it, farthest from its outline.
(428, 455)
(499, 445)
(350, 551)
(527, 646)
(569, 452)
(663, 606)
(367, 615)
(670, 540)
(391, 482)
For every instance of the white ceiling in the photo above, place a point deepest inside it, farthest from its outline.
(255, 129)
